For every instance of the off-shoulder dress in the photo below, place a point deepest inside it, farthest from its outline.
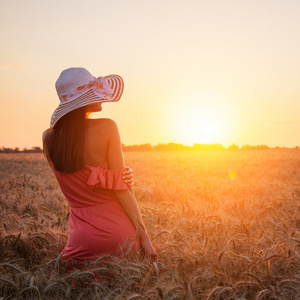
(98, 225)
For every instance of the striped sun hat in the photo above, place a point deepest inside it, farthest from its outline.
(77, 87)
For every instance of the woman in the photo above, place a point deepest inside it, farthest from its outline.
(86, 158)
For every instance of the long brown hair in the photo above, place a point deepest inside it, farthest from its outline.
(63, 144)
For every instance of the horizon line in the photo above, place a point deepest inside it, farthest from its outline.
(172, 146)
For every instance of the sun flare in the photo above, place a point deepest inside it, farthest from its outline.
(200, 120)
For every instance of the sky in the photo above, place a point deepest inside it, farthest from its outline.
(217, 71)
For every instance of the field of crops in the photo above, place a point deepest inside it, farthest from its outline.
(225, 224)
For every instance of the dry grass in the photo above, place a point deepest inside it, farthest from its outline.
(225, 224)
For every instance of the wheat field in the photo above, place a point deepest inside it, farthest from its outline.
(225, 224)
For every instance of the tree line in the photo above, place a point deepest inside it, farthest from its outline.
(195, 147)
(161, 147)
(18, 150)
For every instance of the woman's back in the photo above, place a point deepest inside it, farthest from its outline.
(98, 224)
(102, 144)
(96, 141)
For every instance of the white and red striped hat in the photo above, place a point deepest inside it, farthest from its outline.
(77, 87)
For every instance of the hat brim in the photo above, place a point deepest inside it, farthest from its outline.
(89, 97)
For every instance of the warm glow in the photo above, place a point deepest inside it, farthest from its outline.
(201, 120)
(232, 175)
(194, 71)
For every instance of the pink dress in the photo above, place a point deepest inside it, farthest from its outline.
(98, 225)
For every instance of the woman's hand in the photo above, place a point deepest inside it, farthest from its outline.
(127, 176)
(149, 250)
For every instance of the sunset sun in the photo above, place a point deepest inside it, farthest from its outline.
(201, 122)
(199, 127)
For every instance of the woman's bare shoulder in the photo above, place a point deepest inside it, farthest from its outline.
(103, 125)
(102, 121)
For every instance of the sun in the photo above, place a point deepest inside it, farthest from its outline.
(200, 126)
(202, 122)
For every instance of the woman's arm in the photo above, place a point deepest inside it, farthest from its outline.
(126, 197)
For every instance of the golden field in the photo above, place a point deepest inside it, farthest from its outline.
(225, 224)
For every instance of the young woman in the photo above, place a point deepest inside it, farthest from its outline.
(86, 158)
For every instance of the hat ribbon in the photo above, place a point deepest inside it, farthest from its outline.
(100, 86)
